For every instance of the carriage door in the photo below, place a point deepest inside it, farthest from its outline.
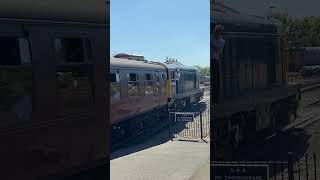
(157, 86)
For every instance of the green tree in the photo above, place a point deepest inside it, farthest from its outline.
(305, 30)
(204, 71)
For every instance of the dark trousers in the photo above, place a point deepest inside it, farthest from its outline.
(215, 67)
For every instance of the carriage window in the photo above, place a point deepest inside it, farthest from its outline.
(148, 86)
(163, 85)
(15, 81)
(14, 51)
(74, 89)
(72, 50)
(133, 84)
(157, 87)
(115, 87)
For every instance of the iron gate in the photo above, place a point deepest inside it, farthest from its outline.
(189, 126)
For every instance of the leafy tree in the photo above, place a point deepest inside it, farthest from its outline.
(305, 30)
(204, 71)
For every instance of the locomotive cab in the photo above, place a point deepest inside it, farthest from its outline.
(255, 98)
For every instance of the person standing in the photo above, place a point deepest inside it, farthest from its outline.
(217, 47)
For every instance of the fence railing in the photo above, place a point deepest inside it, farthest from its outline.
(306, 167)
(189, 128)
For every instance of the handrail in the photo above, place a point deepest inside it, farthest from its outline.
(260, 34)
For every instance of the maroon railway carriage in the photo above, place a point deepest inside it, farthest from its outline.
(138, 95)
(53, 117)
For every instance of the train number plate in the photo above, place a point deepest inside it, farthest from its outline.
(184, 116)
(224, 171)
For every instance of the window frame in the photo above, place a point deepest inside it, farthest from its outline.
(11, 32)
(118, 82)
(134, 82)
(18, 36)
(88, 59)
(148, 81)
(62, 65)
(156, 91)
(163, 83)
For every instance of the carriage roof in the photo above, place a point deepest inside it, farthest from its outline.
(180, 66)
(83, 11)
(135, 64)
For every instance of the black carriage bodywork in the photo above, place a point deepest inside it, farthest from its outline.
(52, 91)
(255, 96)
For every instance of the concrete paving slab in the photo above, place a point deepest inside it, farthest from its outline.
(172, 160)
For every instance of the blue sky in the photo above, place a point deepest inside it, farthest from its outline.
(158, 28)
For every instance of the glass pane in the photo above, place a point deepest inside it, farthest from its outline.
(132, 77)
(24, 51)
(74, 88)
(148, 77)
(148, 88)
(115, 91)
(15, 96)
(164, 88)
(9, 51)
(113, 77)
(70, 49)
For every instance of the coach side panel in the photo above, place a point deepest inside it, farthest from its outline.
(51, 132)
(134, 92)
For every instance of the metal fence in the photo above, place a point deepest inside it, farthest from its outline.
(190, 126)
(306, 167)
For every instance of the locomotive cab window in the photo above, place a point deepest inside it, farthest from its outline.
(172, 75)
(148, 87)
(15, 81)
(133, 84)
(115, 94)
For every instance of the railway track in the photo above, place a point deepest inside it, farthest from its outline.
(304, 123)
(309, 120)
(291, 127)
(310, 85)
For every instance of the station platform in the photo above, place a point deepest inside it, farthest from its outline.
(160, 159)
